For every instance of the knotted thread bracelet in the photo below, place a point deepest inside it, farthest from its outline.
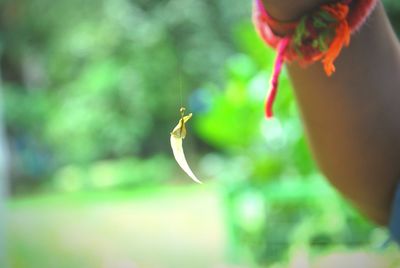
(319, 35)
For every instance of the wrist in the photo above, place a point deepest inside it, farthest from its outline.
(319, 34)
(290, 10)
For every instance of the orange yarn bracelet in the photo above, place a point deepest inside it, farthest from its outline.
(317, 36)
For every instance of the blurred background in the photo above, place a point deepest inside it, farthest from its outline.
(90, 91)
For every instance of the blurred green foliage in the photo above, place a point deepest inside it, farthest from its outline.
(276, 201)
(121, 173)
(89, 81)
(393, 10)
(92, 90)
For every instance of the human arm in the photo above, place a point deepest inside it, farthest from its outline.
(351, 118)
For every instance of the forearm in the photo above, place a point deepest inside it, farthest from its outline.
(351, 118)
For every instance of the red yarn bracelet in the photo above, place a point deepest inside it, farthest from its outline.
(317, 36)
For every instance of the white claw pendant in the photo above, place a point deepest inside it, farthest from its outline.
(177, 136)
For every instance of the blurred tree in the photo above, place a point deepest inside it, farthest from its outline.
(90, 88)
(3, 179)
(393, 10)
(92, 80)
(276, 202)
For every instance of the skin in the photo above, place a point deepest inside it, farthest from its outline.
(352, 118)
(289, 10)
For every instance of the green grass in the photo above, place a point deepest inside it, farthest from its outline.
(179, 226)
(115, 195)
(161, 227)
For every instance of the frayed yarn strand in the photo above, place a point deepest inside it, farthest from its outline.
(342, 37)
(283, 44)
(317, 36)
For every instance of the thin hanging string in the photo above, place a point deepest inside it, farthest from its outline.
(180, 88)
(283, 44)
(181, 109)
